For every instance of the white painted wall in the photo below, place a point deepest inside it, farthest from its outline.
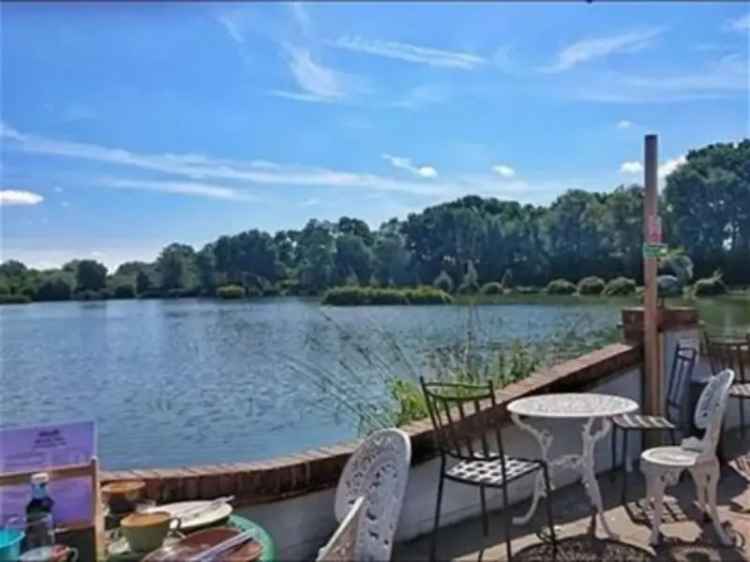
(301, 525)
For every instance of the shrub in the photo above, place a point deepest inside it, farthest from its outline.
(56, 289)
(181, 293)
(492, 288)
(560, 287)
(124, 292)
(470, 284)
(88, 295)
(271, 290)
(14, 299)
(591, 286)
(468, 288)
(150, 294)
(668, 286)
(619, 287)
(443, 282)
(230, 292)
(354, 296)
(710, 286)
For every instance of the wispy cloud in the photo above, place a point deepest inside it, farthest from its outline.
(624, 124)
(406, 164)
(720, 78)
(503, 170)
(179, 188)
(600, 47)
(201, 171)
(19, 197)
(740, 24)
(409, 53)
(632, 167)
(316, 82)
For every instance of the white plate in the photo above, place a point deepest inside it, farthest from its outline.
(204, 519)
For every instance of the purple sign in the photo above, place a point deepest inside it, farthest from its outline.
(41, 448)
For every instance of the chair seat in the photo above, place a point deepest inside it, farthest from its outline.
(670, 457)
(639, 421)
(740, 391)
(490, 472)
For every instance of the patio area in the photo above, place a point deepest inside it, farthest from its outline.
(686, 536)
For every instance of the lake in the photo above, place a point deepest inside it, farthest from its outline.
(174, 383)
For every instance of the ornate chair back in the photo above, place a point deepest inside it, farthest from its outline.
(342, 545)
(683, 365)
(462, 428)
(379, 471)
(730, 354)
(709, 412)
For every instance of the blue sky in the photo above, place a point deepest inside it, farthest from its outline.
(128, 126)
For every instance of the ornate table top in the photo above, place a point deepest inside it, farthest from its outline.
(572, 405)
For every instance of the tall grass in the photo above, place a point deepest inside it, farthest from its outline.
(378, 384)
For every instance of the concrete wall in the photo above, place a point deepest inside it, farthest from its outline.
(301, 525)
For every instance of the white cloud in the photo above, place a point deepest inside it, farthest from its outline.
(19, 197)
(310, 202)
(313, 78)
(409, 53)
(504, 170)
(624, 124)
(632, 167)
(599, 47)
(406, 164)
(180, 188)
(740, 24)
(671, 165)
(232, 24)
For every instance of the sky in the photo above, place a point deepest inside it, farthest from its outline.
(129, 126)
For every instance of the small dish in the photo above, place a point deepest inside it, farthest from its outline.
(211, 516)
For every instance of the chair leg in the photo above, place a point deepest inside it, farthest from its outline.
(506, 522)
(485, 518)
(624, 496)
(433, 546)
(550, 518)
(614, 453)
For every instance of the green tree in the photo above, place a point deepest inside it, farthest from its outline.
(53, 289)
(353, 257)
(142, 282)
(176, 267)
(90, 275)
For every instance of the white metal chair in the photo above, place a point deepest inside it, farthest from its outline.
(343, 543)
(379, 471)
(662, 466)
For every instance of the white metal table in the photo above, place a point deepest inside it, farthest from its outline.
(587, 407)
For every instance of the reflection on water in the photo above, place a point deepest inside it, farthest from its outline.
(199, 381)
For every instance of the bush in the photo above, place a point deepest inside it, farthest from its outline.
(468, 288)
(271, 290)
(181, 293)
(619, 287)
(528, 290)
(230, 292)
(710, 286)
(88, 295)
(14, 299)
(357, 296)
(591, 286)
(492, 288)
(507, 280)
(668, 286)
(53, 290)
(124, 292)
(150, 294)
(443, 282)
(560, 287)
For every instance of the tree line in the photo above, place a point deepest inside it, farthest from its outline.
(464, 243)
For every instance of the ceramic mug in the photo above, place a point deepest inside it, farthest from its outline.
(146, 531)
(54, 553)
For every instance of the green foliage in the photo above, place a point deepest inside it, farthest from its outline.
(507, 280)
(470, 284)
(591, 286)
(142, 283)
(176, 265)
(619, 287)
(560, 287)
(89, 295)
(14, 299)
(492, 288)
(668, 286)
(124, 292)
(353, 296)
(53, 289)
(443, 282)
(90, 276)
(230, 292)
(711, 286)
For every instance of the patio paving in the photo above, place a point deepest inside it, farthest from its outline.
(687, 538)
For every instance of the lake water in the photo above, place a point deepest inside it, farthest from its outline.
(174, 383)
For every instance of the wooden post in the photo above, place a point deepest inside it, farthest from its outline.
(653, 387)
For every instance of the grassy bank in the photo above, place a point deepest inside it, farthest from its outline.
(357, 296)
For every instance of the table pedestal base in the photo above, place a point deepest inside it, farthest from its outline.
(583, 464)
